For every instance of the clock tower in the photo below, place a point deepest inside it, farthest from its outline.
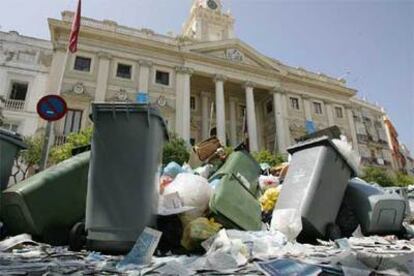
(207, 22)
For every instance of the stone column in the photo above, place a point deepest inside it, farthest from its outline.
(103, 74)
(144, 75)
(251, 117)
(280, 115)
(205, 120)
(56, 69)
(348, 110)
(307, 107)
(183, 111)
(233, 121)
(220, 109)
(330, 113)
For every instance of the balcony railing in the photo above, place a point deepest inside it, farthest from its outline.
(60, 140)
(14, 105)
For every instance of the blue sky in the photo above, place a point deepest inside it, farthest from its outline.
(370, 43)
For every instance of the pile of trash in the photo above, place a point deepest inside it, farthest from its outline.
(218, 214)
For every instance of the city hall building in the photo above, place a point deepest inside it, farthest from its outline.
(205, 81)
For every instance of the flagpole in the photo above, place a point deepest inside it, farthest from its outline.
(49, 126)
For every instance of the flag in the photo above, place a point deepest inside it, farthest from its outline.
(74, 33)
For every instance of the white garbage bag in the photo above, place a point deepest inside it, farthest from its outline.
(194, 190)
(288, 222)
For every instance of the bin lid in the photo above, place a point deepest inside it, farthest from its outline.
(325, 141)
(12, 137)
(116, 107)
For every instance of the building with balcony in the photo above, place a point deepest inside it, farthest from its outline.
(24, 69)
(205, 81)
(397, 150)
(373, 145)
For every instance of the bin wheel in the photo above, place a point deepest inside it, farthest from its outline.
(333, 232)
(77, 237)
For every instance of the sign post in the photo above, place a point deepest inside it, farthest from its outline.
(50, 108)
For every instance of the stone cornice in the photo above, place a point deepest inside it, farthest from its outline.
(135, 43)
(184, 70)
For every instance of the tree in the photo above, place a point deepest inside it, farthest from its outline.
(74, 140)
(175, 150)
(30, 157)
(402, 179)
(266, 156)
(378, 175)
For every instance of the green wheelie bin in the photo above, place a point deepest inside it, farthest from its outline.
(10, 145)
(49, 203)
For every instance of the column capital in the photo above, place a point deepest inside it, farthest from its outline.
(278, 89)
(184, 70)
(145, 63)
(347, 106)
(59, 47)
(104, 55)
(205, 94)
(305, 96)
(248, 84)
(219, 77)
(233, 99)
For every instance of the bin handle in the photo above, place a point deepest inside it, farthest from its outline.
(148, 114)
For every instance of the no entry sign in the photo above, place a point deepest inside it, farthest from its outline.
(51, 108)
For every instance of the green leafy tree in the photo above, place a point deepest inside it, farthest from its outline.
(74, 140)
(379, 176)
(175, 150)
(266, 156)
(402, 179)
(31, 156)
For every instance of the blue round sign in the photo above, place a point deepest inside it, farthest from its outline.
(52, 108)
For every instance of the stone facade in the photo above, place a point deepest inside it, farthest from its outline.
(24, 69)
(206, 84)
(205, 81)
(371, 133)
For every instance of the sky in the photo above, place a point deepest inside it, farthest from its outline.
(370, 43)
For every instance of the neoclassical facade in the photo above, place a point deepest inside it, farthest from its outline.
(205, 81)
(24, 69)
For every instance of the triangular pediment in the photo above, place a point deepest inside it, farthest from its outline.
(233, 51)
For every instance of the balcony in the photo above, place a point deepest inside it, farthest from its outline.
(14, 105)
(60, 140)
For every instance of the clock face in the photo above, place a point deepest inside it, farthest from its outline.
(212, 4)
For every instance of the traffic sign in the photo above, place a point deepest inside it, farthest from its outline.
(51, 108)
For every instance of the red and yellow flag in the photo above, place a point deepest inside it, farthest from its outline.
(74, 33)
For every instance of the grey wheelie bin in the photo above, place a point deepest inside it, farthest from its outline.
(315, 185)
(122, 196)
(49, 203)
(379, 212)
(10, 145)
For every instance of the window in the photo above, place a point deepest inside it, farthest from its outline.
(10, 126)
(192, 141)
(294, 103)
(193, 103)
(317, 108)
(269, 107)
(162, 77)
(82, 64)
(242, 111)
(123, 71)
(18, 91)
(338, 112)
(72, 121)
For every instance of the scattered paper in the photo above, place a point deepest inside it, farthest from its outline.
(14, 241)
(141, 253)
